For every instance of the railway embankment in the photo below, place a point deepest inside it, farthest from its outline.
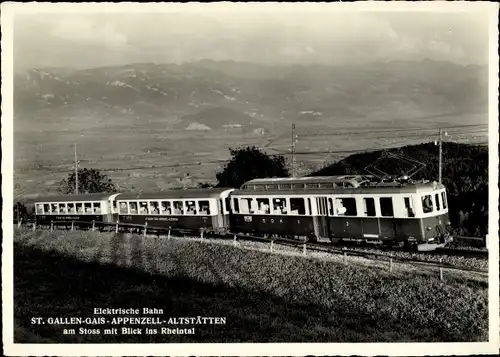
(264, 297)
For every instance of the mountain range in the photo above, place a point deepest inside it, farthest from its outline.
(217, 95)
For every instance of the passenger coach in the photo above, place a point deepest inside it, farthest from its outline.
(191, 209)
(84, 208)
(344, 207)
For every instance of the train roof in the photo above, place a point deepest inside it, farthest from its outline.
(75, 198)
(188, 193)
(336, 184)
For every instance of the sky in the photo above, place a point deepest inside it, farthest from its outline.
(87, 40)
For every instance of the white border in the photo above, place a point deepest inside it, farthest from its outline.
(272, 349)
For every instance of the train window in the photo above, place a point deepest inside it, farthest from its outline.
(39, 208)
(53, 208)
(154, 207)
(97, 207)
(309, 206)
(427, 203)
(227, 202)
(71, 208)
(123, 208)
(443, 197)
(297, 206)
(247, 205)
(79, 207)
(236, 205)
(263, 204)
(436, 199)
(62, 208)
(190, 207)
(178, 208)
(166, 207)
(386, 207)
(204, 207)
(132, 207)
(369, 206)
(330, 206)
(46, 208)
(279, 206)
(409, 207)
(346, 206)
(143, 207)
(88, 207)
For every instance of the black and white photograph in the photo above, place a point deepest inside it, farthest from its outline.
(250, 178)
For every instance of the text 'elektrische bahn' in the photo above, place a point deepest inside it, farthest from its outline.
(333, 208)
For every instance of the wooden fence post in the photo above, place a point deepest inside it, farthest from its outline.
(19, 223)
(34, 226)
(390, 265)
(234, 240)
(304, 249)
(145, 228)
(441, 270)
(486, 241)
(93, 226)
(51, 226)
(345, 258)
(272, 245)
(117, 227)
(168, 236)
(201, 233)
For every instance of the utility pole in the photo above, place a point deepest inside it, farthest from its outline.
(440, 155)
(76, 170)
(293, 150)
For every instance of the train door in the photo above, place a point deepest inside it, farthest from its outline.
(112, 211)
(322, 217)
(220, 211)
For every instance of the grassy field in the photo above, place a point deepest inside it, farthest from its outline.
(264, 297)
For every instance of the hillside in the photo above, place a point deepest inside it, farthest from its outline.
(465, 174)
(144, 91)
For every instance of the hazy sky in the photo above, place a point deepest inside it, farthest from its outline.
(272, 37)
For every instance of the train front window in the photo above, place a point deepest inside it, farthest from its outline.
(445, 203)
(386, 207)
(71, 208)
(39, 208)
(279, 206)
(97, 207)
(346, 206)
(247, 205)
(204, 208)
(132, 207)
(297, 206)
(330, 206)
(427, 205)
(436, 198)
(369, 206)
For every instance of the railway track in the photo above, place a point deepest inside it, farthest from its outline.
(441, 258)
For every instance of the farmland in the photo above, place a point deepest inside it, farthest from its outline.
(265, 297)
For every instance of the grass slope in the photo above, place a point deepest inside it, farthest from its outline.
(265, 297)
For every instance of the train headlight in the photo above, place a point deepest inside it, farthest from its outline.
(429, 228)
(448, 223)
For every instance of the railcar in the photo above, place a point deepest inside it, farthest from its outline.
(191, 209)
(82, 208)
(338, 208)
